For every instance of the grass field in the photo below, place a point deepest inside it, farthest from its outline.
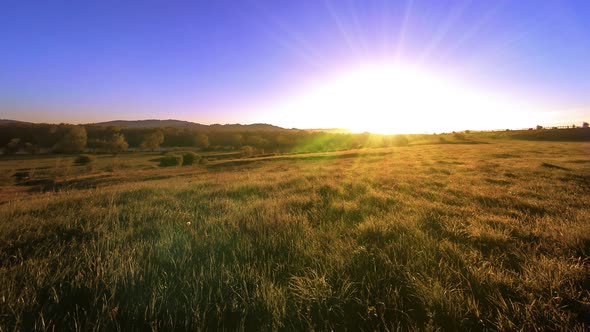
(449, 236)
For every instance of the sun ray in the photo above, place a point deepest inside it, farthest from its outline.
(291, 40)
(442, 31)
(402, 31)
(343, 32)
(357, 26)
(474, 30)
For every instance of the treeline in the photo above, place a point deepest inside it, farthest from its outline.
(579, 134)
(64, 138)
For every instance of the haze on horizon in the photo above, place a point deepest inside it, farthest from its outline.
(380, 66)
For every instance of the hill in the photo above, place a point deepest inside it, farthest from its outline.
(7, 121)
(152, 123)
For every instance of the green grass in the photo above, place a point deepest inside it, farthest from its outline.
(447, 236)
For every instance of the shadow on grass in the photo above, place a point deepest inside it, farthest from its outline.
(504, 249)
(548, 165)
(43, 185)
(334, 156)
(446, 142)
(37, 243)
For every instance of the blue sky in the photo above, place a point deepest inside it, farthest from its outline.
(222, 61)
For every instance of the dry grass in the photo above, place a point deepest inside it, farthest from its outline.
(472, 237)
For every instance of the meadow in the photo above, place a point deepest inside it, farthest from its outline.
(490, 236)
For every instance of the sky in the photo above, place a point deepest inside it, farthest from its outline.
(384, 66)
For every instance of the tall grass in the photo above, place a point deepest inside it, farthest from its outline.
(449, 237)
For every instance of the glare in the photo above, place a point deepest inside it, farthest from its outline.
(399, 99)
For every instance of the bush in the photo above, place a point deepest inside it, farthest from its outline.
(248, 151)
(399, 140)
(190, 158)
(170, 160)
(83, 159)
(7, 177)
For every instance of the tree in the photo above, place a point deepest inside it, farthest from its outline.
(152, 140)
(585, 125)
(13, 146)
(32, 148)
(237, 140)
(282, 141)
(116, 143)
(201, 140)
(256, 141)
(73, 141)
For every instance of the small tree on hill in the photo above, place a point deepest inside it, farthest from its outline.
(201, 141)
(152, 140)
(116, 143)
(73, 141)
(237, 140)
(32, 148)
(256, 141)
(13, 146)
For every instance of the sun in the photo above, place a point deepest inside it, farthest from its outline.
(389, 99)
(379, 99)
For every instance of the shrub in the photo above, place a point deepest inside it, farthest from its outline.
(399, 140)
(247, 151)
(83, 159)
(190, 158)
(7, 177)
(170, 160)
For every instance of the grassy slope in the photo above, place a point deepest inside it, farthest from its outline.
(452, 236)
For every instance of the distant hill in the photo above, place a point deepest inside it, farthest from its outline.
(187, 124)
(11, 121)
(253, 127)
(329, 130)
(155, 123)
(151, 123)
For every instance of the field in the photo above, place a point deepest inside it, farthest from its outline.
(438, 236)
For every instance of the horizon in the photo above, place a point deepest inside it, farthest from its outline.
(560, 125)
(405, 67)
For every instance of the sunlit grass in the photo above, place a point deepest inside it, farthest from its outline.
(470, 237)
